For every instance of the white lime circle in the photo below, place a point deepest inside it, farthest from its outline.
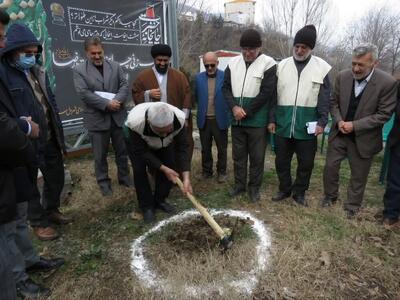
(246, 281)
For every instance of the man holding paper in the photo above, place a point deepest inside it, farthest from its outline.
(301, 114)
(102, 86)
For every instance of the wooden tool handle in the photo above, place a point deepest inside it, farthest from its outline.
(203, 211)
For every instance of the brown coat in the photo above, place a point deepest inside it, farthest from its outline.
(178, 88)
(179, 95)
(374, 110)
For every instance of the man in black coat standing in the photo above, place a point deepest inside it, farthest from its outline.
(391, 199)
(17, 156)
(34, 101)
(14, 146)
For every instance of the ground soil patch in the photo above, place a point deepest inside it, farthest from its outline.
(315, 253)
(188, 252)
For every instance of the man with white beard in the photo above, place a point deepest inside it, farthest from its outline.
(301, 114)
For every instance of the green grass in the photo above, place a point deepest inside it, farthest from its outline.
(90, 259)
(97, 245)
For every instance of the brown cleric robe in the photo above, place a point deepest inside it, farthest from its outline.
(178, 94)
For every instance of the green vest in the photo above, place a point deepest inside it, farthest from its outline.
(246, 83)
(298, 96)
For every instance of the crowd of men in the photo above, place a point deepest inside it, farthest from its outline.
(254, 95)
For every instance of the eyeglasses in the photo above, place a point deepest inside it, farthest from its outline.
(209, 66)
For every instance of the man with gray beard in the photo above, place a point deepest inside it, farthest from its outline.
(301, 114)
(362, 101)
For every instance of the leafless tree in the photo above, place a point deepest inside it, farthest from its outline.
(286, 16)
(381, 27)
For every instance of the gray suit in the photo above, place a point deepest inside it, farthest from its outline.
(101, 123)
(375, 108)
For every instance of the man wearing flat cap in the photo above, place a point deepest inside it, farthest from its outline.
(165, 84)
(156, 133)
(301, 114)
(249, 89)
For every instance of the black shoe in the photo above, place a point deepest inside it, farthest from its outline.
(148, 216)
(236, 192)
(254, 195)
(106, 190)
(279, 196)
(326, 201)
(45, 265)
(300, 199)
(126, 183)
(165, 207)
(29, 289)
(222, 178)
(390, 221)
(351, 213)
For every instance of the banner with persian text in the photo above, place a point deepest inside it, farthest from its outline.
(128, 29)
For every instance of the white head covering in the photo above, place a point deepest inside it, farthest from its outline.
(160, 115)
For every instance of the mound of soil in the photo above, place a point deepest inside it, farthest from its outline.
(188, 252)
(196, 236)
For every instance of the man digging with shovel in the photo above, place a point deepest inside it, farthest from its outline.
(155, 131)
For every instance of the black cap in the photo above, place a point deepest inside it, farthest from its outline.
(306, 35)
(161, 49)
(250, 38)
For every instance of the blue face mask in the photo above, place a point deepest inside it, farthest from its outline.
(26, 62)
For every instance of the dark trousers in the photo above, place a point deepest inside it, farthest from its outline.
(7, 281)
(209, 132)
(305, 154)
(20, 244)
(189, 136)
(100, 141)
(248, 143)
(391, 199)
(339, 148)
(146, 198)
(53, 177)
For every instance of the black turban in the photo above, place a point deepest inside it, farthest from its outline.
(161, 49)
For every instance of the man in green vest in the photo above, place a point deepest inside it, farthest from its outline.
(249, 89)
(301, 114)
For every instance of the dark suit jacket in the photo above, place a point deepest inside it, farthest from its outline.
(374, 110)
(88, 80)
(394, 136)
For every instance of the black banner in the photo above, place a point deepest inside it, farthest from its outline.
(127, 28)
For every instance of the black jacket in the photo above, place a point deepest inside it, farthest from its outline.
(394, 136)
(23, 96)
(140, 148)
(15, 151)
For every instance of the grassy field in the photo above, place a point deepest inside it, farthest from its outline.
(316, 253)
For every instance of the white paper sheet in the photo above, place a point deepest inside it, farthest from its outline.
(106, 95)
(311, 127)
